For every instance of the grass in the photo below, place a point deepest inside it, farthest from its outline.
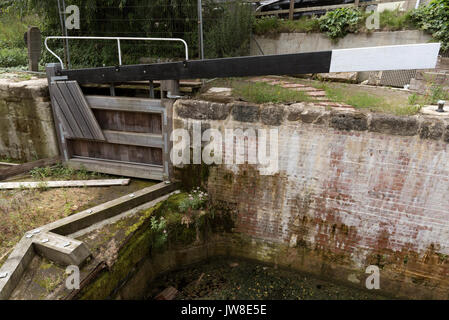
(374, 103)
(394, 20)
(62, 172)
(264, 93)
(261, 92)
(362, 100)
(373, 99)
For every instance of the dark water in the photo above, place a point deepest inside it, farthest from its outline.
(224, 279)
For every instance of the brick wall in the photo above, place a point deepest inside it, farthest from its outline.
(353, 188)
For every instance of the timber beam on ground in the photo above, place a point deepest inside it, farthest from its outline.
(23, 168)
(54, 241)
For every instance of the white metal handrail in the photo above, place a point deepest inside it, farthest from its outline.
(113, 38)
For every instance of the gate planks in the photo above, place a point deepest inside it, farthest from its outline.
(77, 118)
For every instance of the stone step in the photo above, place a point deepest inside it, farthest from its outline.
(305, 89)
(316, 93)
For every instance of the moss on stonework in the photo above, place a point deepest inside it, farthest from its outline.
(146, 237)
(192, 176)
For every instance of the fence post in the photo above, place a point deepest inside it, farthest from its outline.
(292, 8)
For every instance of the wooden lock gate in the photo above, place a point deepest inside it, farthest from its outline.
(124, 136)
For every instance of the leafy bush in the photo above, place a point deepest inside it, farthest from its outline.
(14, 57)
(434, 18)
(338, 23)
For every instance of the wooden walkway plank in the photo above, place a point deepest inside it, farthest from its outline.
(64, 184)
(86, 111)
(65, 123)
(74, 108)
(65, 109)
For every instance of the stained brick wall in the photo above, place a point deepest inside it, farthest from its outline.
(354, 187)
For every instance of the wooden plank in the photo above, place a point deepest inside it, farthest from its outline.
(23, 168)
(134, 139)
(116, 152)
(9, 165)
(66, 110)
(64, 184)
(86, 111)
(138, 122)
(74, 108)
(125, 104)
(292, 9)
(285, 64)
(62, 119)
(119, 169)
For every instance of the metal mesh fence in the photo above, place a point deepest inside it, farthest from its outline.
(227, 31)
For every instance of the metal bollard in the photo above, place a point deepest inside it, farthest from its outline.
(441, 106)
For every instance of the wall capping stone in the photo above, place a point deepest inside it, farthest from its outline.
(345, 119)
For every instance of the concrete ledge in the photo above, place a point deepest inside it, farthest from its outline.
(50, 240)
(62, 250)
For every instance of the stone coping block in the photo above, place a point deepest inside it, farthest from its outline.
(425, 126)
(29, 89)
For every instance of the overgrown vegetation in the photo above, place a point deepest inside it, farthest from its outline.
(436, 93)
(227, 28)
(13, 51)
(261, 92)
(336, 24)
(272, 25)
(434, 18)
(158, 229)
(373, 103)
(63, 172)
